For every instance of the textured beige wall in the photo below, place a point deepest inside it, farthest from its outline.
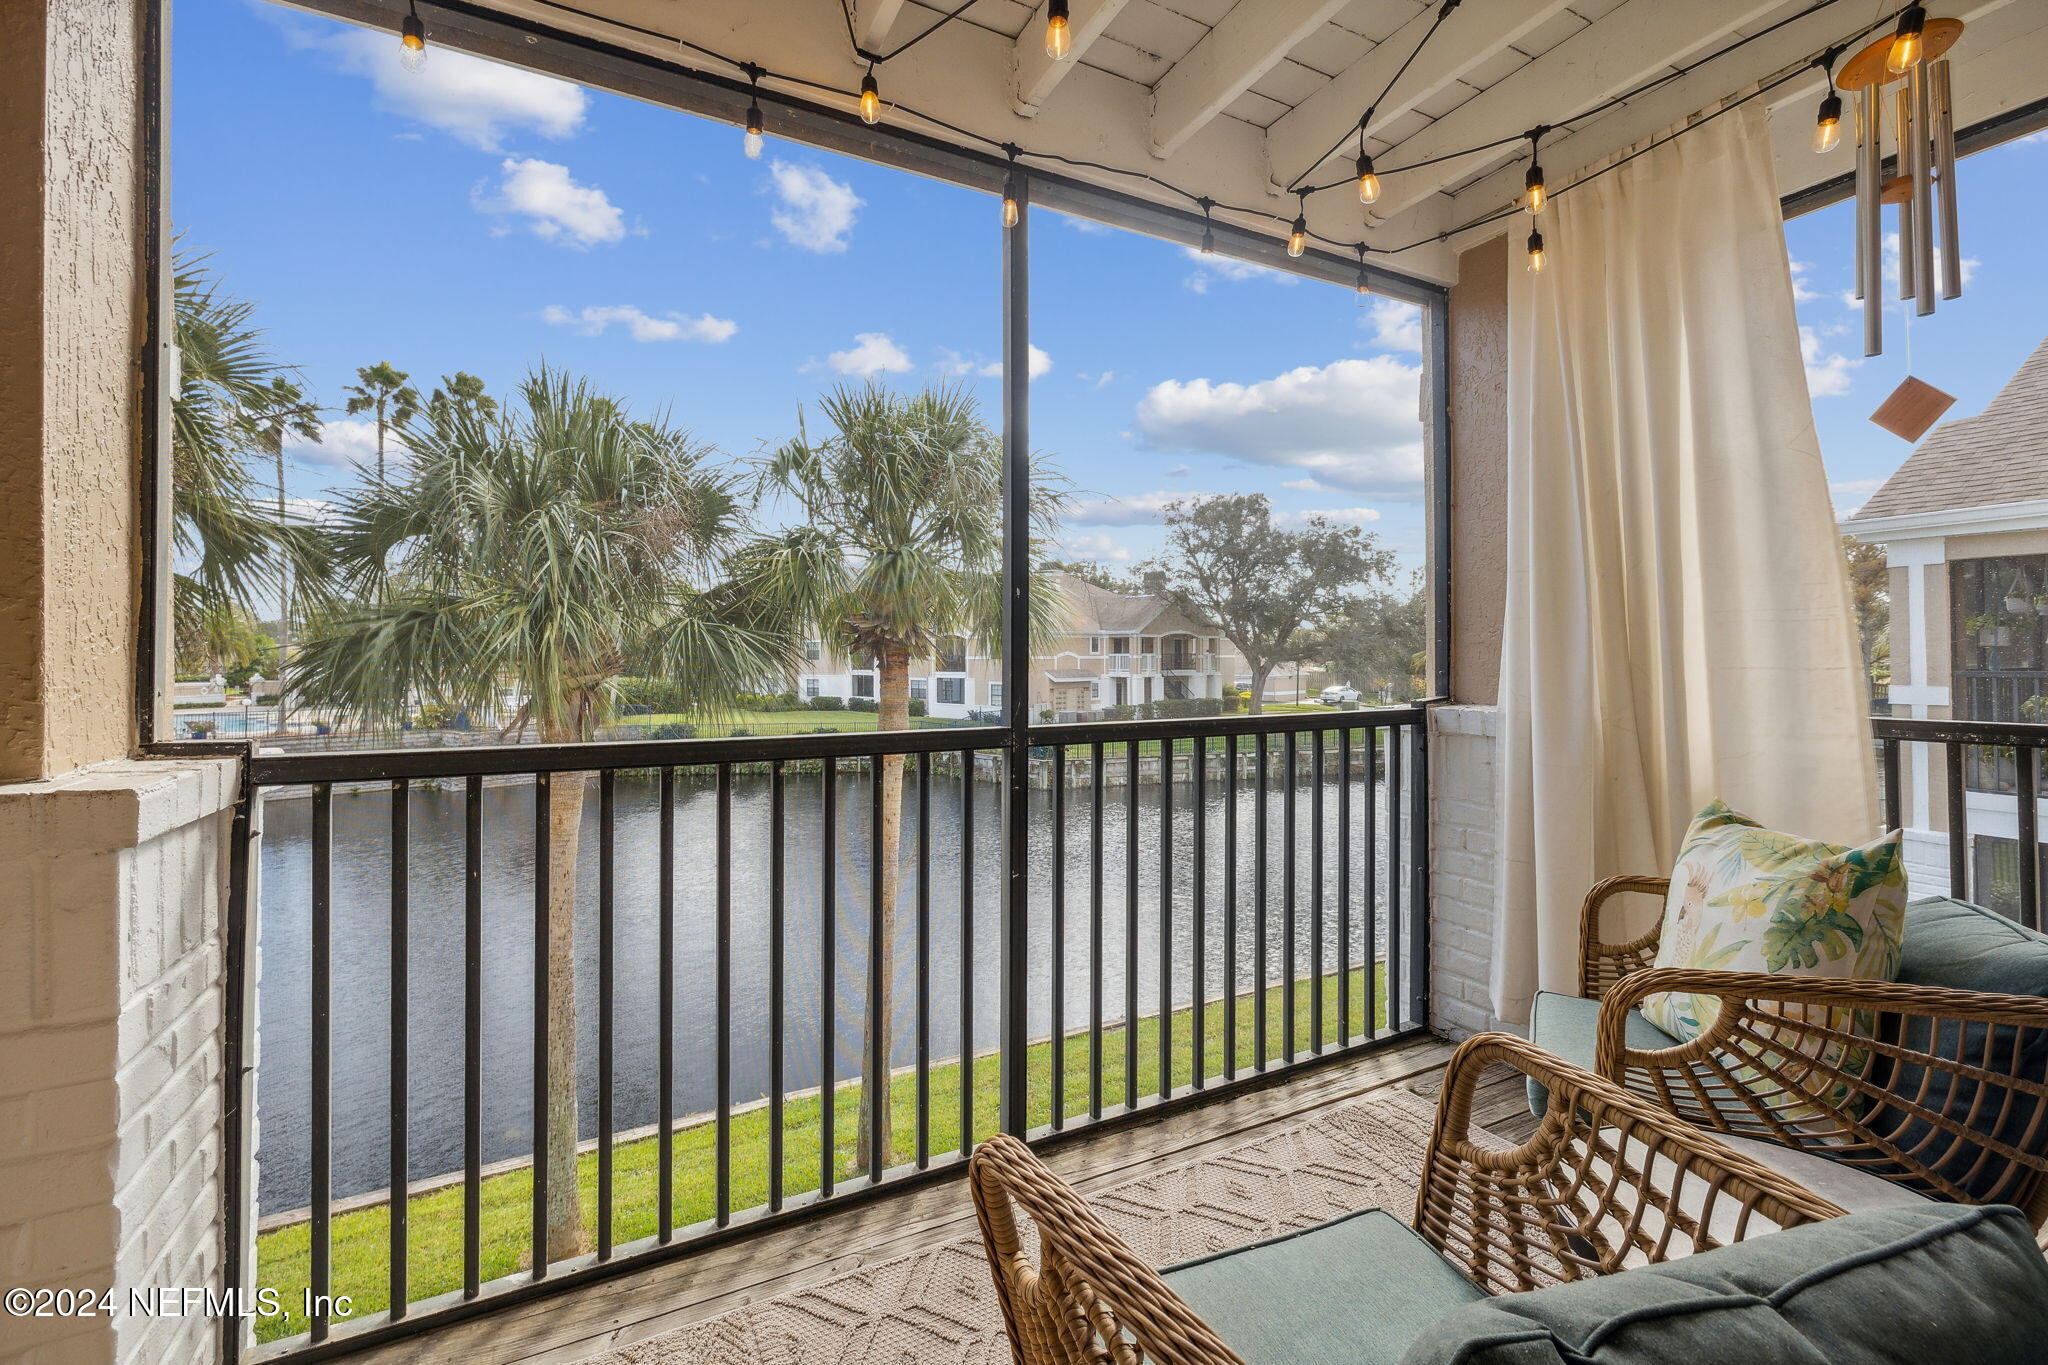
(70, 335)
(1479, 445)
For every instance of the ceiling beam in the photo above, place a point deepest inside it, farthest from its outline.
(1475, 32)
(1618, 53)
(1249, 42)
(872, 20)
(1660, 109)
(1035, 74)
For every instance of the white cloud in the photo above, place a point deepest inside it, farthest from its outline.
(473, 100)
(1137, 509)
(1179, 471)
(346, 443)
(1828, 373)
(816, 212)
(1891, 274)
(555, 207)
(1098, 381)
(1343, 516)
(592, 321)
(1801, 290)
(952, 362)
(1850, 494)
(1396, 325)
(872, 353)
(1304, 486)
(1352, 424)
(1214, 266)
(1096, 547)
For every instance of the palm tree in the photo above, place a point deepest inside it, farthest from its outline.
(235, 550)
(896, 547)
(554, 549)
(381, 389)
(461, 391)
(285, 412)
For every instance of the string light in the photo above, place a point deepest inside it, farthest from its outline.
(870, 100)
(1059, 34)
(1368, 180)
(1208, 228)
(1297, 236)
(1010, 210)
(1363, 287)
(756, 130)
(1905, 53)
(1534, 195)
(412, 41)
(1535, 252)
(1827, 129)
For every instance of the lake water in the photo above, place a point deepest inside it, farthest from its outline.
(361, 940)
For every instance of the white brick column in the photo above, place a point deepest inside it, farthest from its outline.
(1463, 839)
(111, 993)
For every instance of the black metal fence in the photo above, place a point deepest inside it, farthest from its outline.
(768, 1015)
(1998, 762)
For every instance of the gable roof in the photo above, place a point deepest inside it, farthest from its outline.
(1998, 456)
(1097, 610)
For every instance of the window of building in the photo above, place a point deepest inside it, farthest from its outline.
(813, 651)
(920, 689)
(1119, 644)
(952, 691)
(995, 694)
(1095, 644)
(810, 688)
(952, 655)
(863, 684)
(1998, 620)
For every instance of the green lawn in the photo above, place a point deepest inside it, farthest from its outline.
(360, 1240)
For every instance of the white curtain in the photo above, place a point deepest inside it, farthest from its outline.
(1678, 616)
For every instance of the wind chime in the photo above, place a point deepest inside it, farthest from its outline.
(1922, 183)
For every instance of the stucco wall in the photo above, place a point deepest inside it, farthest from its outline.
(1479, 442)
(69, 339)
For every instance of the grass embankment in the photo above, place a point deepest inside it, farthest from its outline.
(361, 1239)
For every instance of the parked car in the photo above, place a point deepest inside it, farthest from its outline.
(1338, 696)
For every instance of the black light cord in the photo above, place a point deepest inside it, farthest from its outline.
(1365, 119)
(1207, 204)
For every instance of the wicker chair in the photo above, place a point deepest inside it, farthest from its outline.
(1606, 1183)
(1936, 1089)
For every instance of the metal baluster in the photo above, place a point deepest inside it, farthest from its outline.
(473, 1039)
(1230, 971)
(1344, 886)
(777, 910)
(1260, 967)
(1958, 825)
(1369, 901)
(875, 1085)
(1894, 803)
(543, 800)
(1057, 965)
(828, 973)
(1130, 924)
(1418, 877)
(1198, 957)
(607, 925)
(924, 960)
(1290, 755)
(399, 1205)
(1166, 918)
(1095, 916)
(320, 1081)
(966, 953)
(722, 1006)
(1315, 896)
(665, 1157)
(1394, 870)
(2027, 793)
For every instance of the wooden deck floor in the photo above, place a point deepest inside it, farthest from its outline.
(581, 1323)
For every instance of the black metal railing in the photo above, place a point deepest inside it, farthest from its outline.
(771, 1016)
(1930, 769)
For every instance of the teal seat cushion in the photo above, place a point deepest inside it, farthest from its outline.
(1931, 1282)
(1961, 946)
(1569, 1027)
(1357, 1289)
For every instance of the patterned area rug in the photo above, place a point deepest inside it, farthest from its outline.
(938, 1307)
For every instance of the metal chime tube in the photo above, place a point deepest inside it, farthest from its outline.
(1923, 189)
(1870, 217)
(1908, 257)
(1945, 171)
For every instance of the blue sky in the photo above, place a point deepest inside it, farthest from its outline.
(476, 217)
(472, 216)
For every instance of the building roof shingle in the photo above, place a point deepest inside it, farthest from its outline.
(1998, 456)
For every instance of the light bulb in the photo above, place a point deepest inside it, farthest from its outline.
(1363, 287)
(870, 100)
(1368, 180)
(1827, 132)
(1537, 196)
(1297, 237)
(755, 134)
(412, 43)
(1059, 34)
(1208, 240)
(1905, 50)
(1535, 253)
(1010, 202)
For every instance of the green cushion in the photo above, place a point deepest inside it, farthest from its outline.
(1357, 1289)
(1927, 1283)
(1569, 1027)
(1966, 947)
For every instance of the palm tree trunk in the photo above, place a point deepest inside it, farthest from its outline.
(892, 713)
(565, 829)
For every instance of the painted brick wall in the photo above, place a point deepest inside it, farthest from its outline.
(110, 1048)
(1462, 848)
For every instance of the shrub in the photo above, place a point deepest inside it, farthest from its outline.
(828, 703)
(918, 707)
(868, 704)
(1118, 712)
(201, 729)
(674, 729)
(740, 732)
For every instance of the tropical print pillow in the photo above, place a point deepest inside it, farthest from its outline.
(1747, 899)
